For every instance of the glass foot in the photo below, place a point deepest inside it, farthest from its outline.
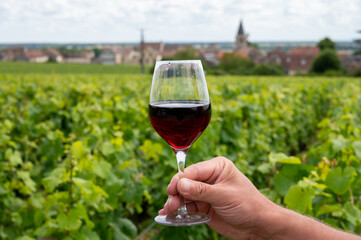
(188, 219)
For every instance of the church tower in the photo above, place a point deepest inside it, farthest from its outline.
(241, 39)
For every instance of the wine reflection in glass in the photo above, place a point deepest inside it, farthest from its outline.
(179, 111)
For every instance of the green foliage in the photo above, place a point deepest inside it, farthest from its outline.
(358, 43)
(97, 52)
(187, 54)
(236, 65)
(326, 43)
(251, 44)
(339, 180)
(66, 68)
(81, 161)
(299, 198)
(268, 70)
(327, 60)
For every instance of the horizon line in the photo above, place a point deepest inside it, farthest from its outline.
(185, 42)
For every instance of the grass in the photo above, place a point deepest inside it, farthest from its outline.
(66, 68)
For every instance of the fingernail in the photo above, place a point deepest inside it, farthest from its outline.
(169, 201)
(185, 185)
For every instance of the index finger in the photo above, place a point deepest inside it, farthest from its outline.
(172, 187)
(206, 171)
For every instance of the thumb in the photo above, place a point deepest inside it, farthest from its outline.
(197, 191)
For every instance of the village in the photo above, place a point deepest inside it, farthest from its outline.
(298, 60)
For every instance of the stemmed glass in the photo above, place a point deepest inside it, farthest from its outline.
(179, 111)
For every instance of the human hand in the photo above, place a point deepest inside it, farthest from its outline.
(217, 188)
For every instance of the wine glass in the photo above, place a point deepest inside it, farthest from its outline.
(179, 111)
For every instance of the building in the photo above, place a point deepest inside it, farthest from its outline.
(108, 56)
(152, 52)
(352, 63)
(297, 60)
(54, 55)
(35, 56)
(116, 55)
(210, 54)
(78, 57)
(170, 50)
(241, 39)
(242, 48)
(276, 56)
(11, 53)
(133, 58)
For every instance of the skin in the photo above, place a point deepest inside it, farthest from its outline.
(237, 209)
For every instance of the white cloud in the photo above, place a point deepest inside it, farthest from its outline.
(186, 20)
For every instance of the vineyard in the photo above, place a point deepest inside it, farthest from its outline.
(80, 160)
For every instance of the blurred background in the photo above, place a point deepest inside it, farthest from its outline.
(278, 35)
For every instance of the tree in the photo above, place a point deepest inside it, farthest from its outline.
(250, 44)
(268, 70)
(326, 43)
(358, 43)
(235, 64)
(191, 53)
(327, 60)
(187, 54)
(97, 52)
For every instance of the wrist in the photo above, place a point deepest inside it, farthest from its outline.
(280, 223)
(272, 222)
(267, 220)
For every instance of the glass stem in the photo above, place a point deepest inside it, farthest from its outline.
(181, 161)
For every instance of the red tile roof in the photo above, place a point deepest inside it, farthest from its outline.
(34, 53)
(173, 47)
(52, 51)
(305, 51)
(156, 45)
(82, 54)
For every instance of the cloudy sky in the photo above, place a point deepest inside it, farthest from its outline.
(181, 20)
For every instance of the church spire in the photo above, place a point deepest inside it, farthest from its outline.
(241, 39)
(240, 30)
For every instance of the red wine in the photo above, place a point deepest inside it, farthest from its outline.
(179, 123)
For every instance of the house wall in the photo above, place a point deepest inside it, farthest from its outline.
(59, 59)
(77, 60)
(107, 57)
(132, 59)
(40, 59)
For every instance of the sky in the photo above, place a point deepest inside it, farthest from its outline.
(62, 21)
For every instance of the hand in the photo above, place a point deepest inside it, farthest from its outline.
(217, 188)
(237, 209)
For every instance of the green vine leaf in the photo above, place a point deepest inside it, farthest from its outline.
(14, 157)
(339, 143)
(30, 185)
(151, 150)
(282, 158)
(339, 180)
(300, 199)
(70, 221)
(352, 213)
(56, 177)
(357, 148)
(107, 148)
(77, 150)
